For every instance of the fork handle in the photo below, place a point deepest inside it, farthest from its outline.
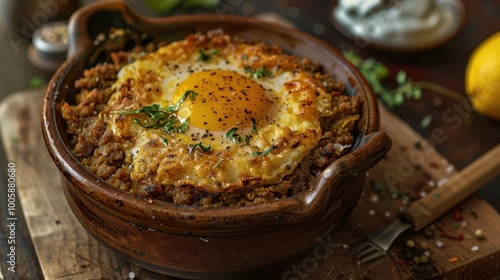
(454, 191)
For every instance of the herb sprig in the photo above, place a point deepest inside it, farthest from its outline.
(162, 117)
(375, 72)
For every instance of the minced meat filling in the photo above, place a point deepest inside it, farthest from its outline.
(103, 154)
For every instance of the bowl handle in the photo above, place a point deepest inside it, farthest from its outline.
(369, 151)
(97, 19)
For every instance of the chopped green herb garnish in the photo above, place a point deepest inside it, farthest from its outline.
(169, 125)
(261, 72)
(244, 57)
(254, 125)
(199, 145)
(184, 126)
(159, 117)
(247, 139)
(165, 140)
(231, 134)
(265, 152)
(203, 56)
(189, 93)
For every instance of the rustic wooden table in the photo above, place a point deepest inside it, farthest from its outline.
(52, 244)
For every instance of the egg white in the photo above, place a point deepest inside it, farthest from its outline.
(228, 164)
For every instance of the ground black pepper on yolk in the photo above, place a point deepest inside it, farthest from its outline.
(226, 99)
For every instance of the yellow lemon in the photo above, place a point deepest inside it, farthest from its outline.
(482, 77)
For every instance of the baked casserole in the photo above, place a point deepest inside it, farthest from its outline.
(211, 120)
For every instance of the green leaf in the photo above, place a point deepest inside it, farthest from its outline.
(399, 98)
(417, 93)
(184, 126)
(168, 124)
(381, 71)
(426, 121)
(355, 59)
(189, 93)
(231, 134)
(401, 77)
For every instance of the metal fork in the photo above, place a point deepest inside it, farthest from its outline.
(431, 207)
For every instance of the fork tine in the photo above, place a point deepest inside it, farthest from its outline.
(367, 251)
(374, 256)
(378, 242)
(358, 247)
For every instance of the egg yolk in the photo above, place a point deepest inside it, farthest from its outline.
(224, 100)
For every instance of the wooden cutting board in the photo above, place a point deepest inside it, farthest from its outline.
(411, 169)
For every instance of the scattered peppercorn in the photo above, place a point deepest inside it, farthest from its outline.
(410, 243)
(479, 234)
(424, 259)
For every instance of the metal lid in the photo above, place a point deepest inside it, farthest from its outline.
(50, 45)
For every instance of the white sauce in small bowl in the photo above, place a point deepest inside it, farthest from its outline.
(399, 24)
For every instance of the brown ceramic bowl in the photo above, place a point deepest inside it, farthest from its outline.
(190, 242)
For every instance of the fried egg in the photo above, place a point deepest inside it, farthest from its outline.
(237, 115)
